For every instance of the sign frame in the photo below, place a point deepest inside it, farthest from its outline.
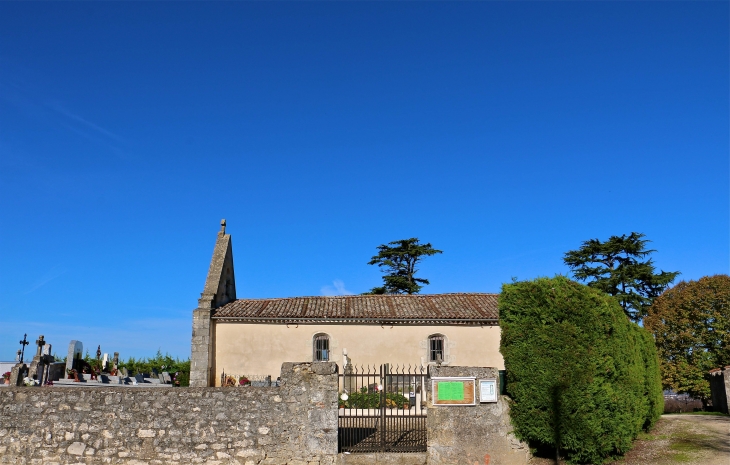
(465, 379)
(486, 382)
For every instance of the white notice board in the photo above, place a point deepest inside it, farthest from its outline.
(487, 390)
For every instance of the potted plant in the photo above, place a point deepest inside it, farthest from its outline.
(6, 377)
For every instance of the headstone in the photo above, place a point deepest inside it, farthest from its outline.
(165, 378)
(139, 378)
(47, 349)
(57, 371)
(17, 373)
(125, 373)
(105, 363)
(33, 369)
(44, 367)
(75, 350)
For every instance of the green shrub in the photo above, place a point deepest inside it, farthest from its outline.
(580, 374)
(160, 363)
(365, 399)
(653, 378)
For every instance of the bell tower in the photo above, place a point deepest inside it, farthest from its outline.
(220, 288)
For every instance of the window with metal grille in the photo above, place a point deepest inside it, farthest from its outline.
(321, 348)
(436, 348)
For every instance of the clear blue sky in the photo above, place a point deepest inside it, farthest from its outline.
(503, 133)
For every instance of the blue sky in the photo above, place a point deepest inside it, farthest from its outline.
(503, 133)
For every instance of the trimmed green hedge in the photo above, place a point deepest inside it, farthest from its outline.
(580, 374)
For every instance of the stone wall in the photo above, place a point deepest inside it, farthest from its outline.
(473, 435)
(292, 424)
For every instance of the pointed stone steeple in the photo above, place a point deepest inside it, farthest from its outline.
(220, 285)
(220, 288)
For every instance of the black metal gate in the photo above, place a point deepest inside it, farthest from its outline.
(382, 409)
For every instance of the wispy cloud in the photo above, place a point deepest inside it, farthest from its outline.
(23, 88)
(337, 288)
(52, 274)
(84, 122)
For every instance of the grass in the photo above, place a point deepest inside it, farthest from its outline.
(700, 413)
(681, 457)
(685, 446)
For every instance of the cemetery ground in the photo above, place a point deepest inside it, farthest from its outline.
(688, 439)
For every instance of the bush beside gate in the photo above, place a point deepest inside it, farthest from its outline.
(581, 376)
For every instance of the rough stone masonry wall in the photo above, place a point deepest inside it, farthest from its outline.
(473, 435)
(294, 424)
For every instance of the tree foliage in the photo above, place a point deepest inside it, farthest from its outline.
(581, 376)
(180, 369)
(398, 259)
(691, 327)
(619, 267)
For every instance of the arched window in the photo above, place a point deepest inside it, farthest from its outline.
(436, 345)
(321, 347)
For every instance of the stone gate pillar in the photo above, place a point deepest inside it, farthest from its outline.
(479, 434)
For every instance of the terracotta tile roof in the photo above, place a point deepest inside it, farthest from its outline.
(375, 309)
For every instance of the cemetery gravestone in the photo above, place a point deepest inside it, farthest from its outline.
(56, 371)
(33, 370)
(75, 351)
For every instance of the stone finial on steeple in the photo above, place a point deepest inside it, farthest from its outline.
(223, 227)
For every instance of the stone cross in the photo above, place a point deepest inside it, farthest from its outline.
(40, 342)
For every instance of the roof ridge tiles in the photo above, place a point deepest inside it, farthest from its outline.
(472, 306)
(369, 296)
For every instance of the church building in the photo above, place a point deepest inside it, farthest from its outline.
(255, 336)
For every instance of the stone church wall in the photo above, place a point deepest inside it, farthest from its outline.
(295, 423)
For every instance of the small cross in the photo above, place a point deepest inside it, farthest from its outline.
(23, 343)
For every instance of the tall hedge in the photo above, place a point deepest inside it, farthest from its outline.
(580, 374)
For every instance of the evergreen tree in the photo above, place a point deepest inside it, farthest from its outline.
(619, 267)
(398, 259)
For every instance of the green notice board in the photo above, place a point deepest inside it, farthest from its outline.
(453, 391)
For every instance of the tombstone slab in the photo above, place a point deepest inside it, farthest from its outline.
(17, 373)
(75, 350)
(57, 371)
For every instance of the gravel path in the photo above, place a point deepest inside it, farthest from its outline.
(678, 439)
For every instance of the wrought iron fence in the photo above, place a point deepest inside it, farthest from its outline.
(382, 409)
